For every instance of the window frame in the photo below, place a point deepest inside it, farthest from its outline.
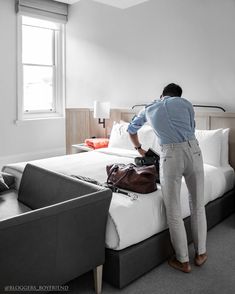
(58, 76)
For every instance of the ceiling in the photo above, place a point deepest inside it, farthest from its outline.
(116, 3)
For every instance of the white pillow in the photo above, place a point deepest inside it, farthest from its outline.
(119, 137)
(224, 147)
(210, 142)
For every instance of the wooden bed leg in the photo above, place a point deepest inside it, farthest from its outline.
(98, 278)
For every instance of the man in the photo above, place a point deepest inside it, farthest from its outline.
(172, 119)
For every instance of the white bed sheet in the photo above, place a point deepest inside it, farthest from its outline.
(129, 222)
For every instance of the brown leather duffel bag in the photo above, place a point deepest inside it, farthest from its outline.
(140, 179)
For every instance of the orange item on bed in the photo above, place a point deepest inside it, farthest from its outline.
(97, 143)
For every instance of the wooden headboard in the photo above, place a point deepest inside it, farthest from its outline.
(80, 125)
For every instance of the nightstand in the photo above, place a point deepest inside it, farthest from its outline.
(78, 148)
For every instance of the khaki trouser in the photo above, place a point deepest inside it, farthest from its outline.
(177, 160)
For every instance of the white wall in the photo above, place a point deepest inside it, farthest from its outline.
(127, 56)
(30, 140)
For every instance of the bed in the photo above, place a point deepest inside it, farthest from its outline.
(137, 238)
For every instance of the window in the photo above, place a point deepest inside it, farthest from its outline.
(40, 68)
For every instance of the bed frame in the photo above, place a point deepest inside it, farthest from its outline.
(124, 266)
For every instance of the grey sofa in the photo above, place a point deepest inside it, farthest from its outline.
(52, 231)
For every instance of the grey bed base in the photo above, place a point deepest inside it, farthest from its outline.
(124, 266)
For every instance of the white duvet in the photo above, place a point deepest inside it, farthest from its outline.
(129, 222)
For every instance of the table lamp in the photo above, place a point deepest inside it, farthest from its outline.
(101, 111)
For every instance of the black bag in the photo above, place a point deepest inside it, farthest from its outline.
(150, 158)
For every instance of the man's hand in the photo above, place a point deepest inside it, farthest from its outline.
(142, 151)
(136, 142)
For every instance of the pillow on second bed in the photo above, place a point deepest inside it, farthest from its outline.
(119, 137)
(210, 142)
(224, 147)
(3, 185)
(7, 181)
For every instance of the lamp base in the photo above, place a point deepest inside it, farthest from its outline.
(102, 122)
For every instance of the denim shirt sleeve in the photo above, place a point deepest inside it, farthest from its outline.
(137, 122)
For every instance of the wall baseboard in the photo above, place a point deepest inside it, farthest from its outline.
(31, 156)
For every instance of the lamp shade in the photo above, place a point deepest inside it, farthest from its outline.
(101, 109)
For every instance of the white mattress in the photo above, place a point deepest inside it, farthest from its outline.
(129, 222)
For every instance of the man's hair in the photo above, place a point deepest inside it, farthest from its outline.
(172, 90)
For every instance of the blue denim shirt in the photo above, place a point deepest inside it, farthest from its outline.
(172, 119)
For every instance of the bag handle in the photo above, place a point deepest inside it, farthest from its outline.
(131, 195)
(115, 168)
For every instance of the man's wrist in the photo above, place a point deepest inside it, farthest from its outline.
(138, 147)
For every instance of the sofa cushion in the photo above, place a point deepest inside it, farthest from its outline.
(10, 206)
(40, 187)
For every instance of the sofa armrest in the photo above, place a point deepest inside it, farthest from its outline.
(33, 215)
(57, 243)
(41, 187)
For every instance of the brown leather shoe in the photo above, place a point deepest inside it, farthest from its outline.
(181, 266)
(200, 259)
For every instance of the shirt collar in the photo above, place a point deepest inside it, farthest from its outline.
(165, 97)
(160, 99)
